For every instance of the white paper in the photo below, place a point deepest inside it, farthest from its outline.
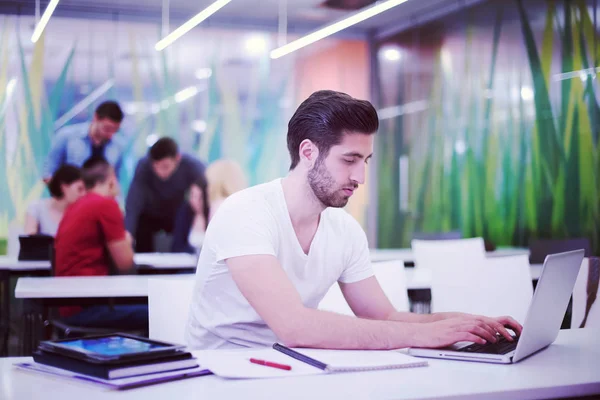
(236, 364)
(361, 359)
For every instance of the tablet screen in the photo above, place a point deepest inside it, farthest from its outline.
(112, 345)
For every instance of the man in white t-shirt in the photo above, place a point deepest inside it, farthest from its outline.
(272, 252)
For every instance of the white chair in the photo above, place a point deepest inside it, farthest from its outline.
(585, 302)
(499, 286)
(390, 276)
(169, 302)
(433, 254)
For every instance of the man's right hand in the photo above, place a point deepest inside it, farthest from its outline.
(449, 331)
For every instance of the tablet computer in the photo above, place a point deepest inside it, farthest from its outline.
(113, 347)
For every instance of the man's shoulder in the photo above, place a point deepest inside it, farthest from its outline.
(120, 140)
(191, 161)
(73, 131)
(258, 198)
(95, 204)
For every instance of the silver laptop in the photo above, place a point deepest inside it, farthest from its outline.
(542, 322)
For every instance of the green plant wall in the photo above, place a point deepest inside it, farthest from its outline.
(506, 146)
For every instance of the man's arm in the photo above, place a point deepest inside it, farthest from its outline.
(56, 155)
(267, 288)
(121, 252)
(134, 204)
(118, 240)
(367, 300)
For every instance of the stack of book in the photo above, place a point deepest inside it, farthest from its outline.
(118, 361)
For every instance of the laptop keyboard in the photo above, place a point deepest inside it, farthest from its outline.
(502, 346)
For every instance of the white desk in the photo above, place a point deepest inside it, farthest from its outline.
(184, 260)
(407, 254)
(137, 285)
(420, 278)
(569, 367)
(66, 287)
(152, 260)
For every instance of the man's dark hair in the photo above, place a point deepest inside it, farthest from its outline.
(111, 110)
(325, 117)
(65, 175)
(94, 171)
(163, 148)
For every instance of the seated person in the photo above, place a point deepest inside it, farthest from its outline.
(272, 252)
(91, 241)
(224, 177)
(44, 215)
(157, 192)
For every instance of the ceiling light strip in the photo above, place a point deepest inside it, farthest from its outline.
(190, 24)
(328, 30)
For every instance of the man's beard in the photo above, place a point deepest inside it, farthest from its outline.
(323, 186)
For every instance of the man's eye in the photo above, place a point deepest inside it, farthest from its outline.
(351, 161)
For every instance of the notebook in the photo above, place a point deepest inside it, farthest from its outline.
(173, 362)
(115, 384)
(236, 363)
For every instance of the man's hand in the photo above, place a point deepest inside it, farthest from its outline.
(499, 323)
(464, 327)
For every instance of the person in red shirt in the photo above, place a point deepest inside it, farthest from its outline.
(92, 241)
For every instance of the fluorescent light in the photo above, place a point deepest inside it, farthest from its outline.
(408, 108)
(199, 125)
(256, 44)
(151, 139)
(189, 24)
(335, 27)
(10, 87)
(579, 73)
(203, 73)
(526, 93)
(37, 32)
(83, 104)
(185, 94)
(391, 54)
(460, 147)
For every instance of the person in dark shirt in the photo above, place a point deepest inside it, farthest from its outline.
(158, 191)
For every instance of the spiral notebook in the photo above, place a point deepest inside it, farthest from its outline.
(236, 363)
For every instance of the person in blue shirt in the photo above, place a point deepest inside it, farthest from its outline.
(76, 143)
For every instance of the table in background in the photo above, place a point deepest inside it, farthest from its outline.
(148, 264)
(570, 367)
(407, 256)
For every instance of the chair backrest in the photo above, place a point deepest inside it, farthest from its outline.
(433, 254)
(169, 300)
(586, 306)
(540, 248)
(391, 278)
(452, 235)
(500, 286)
(35, 247)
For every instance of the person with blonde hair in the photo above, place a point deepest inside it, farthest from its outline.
(223, 177)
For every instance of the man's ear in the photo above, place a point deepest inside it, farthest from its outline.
(309, 152)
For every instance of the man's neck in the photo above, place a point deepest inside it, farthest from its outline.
(94, 137)
(100, 190)
(302, 204)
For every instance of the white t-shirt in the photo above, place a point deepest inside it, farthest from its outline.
(256, 221)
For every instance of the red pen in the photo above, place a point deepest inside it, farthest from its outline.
(270, 364)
